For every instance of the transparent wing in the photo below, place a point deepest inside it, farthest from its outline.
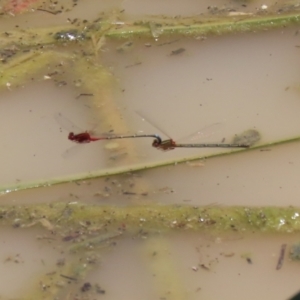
(66, 124)
(204, 133)
(73, 151)
(151, 123)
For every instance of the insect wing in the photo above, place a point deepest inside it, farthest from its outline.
(71, 152)
(66, 123)
(151, 123)
(204, 133)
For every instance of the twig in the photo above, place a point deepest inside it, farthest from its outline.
(281, 257)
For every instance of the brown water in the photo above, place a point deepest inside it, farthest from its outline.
(214, 86)
(240, 82)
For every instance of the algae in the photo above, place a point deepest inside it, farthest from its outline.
(158, 218)
(34, 49)
(37, 48)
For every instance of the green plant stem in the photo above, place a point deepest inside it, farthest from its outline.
(133, 219)
(203, 27)
(191, 26)
(131, 168)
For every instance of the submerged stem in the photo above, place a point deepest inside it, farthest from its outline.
(132, 219)
(130, 168)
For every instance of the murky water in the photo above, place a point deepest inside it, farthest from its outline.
(209, 89)
(239, 82)
(26, 254)
(230, 180)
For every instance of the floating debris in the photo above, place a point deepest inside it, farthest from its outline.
(85, 95)
(177, 51)
(102, 240)
(70, 35)
(248, 258)
(248, 137)
(295, 252)
(281, 257)
(204, 267)
(125, 47)
(86, 287)
(195, 268)
(68, 277)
